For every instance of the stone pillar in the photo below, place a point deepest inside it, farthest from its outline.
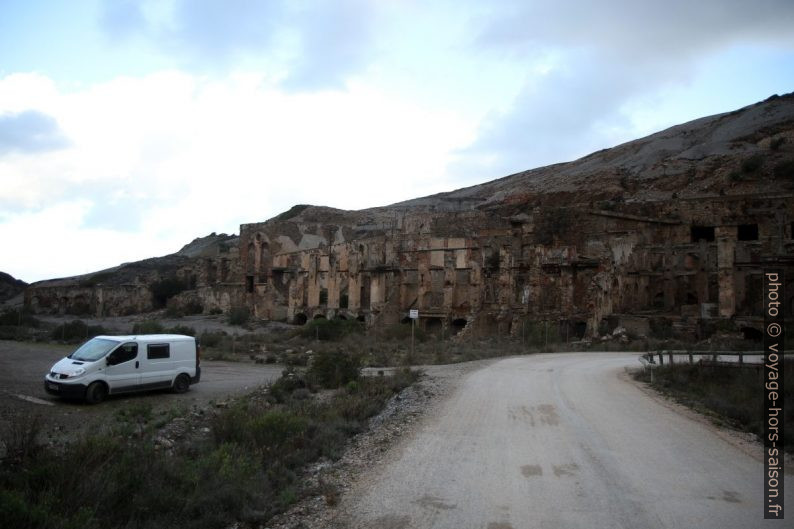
(726, 245)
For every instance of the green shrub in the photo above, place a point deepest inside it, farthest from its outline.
(181, 329)
(248, 471)
(785, 170)
(148, 327)
(332, 369)
(331, 330)
(401, 332)
(735, 394)
(211, 338)
(752, 164)
(18, 317)
(76, 330)
(239, 315)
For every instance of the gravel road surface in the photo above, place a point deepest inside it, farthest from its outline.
(561, 441)
(23, 366)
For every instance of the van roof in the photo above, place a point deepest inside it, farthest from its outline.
(149, 338)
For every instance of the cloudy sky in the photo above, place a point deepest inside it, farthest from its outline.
(127, 128)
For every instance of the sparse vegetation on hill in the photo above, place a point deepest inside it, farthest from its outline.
(246, 470)
(730, 395)
(76, 331)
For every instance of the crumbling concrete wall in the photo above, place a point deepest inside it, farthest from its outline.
(574, 266)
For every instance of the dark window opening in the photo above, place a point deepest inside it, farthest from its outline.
(658, 301)
(344, 301)
(300, 319)
(458, 325)
(249, 284)
(747, 232)
(158, 351)
(691, 299)
(579, 329)
(361, 318)
(703, 233)
(752, 334)
(323, 296)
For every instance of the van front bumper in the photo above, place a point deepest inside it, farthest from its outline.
(64, 390)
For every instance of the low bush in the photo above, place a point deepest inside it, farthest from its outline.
(239, 315)
(734, 394)
(18, 317)
(211, 338)
(752, 164)
(76, 330)
(246, 472)
(785, 170)
(331, 330)
(181, 329)
(333, 369)
(148, 327)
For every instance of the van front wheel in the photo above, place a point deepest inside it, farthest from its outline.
(181, 384)
(96, 393)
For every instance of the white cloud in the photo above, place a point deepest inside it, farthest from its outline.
(171, 156)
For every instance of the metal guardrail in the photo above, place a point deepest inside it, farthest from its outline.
(732, 358)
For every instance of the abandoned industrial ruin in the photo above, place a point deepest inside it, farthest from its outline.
(668, 233)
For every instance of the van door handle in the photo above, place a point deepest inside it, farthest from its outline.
(136, 364)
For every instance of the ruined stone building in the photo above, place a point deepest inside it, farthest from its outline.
(674, 229)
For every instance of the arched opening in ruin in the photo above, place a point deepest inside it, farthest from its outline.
(319, 317)
(579, 329)
(340, 317)
(752, 334)
(458, 325)
(251, 259)
(300, 319)
(658, 300)
(361, 318)
(264, 262)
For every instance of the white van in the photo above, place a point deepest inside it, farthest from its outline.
(119, 364)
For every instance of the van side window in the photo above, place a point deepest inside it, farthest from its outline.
(125, 353)
(158, 351)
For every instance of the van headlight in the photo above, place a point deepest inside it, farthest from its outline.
(76, 373)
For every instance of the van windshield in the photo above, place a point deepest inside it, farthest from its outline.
(93, 349)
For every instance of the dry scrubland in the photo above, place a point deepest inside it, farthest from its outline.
(243, 462)
(730, 396)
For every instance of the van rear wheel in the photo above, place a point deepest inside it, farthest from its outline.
(96, 393)
(182, 383)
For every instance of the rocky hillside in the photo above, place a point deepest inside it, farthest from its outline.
(719, 172)
(10, 287)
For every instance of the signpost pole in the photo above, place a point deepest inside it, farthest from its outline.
(413, 324)
(414, 315)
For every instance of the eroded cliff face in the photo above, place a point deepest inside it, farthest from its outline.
(676, 226)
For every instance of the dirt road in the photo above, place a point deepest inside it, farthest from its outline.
(560, 440)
